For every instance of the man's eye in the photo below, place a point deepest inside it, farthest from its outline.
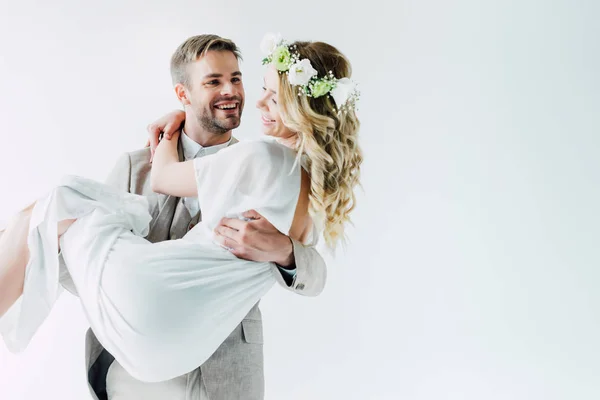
(214, 82)
(236, 80)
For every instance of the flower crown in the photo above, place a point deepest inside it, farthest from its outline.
(301, 73)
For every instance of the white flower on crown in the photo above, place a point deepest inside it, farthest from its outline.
(270, 42)
(301, 72)
(344, 88)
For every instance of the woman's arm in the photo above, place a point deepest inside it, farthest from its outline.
(169, 175)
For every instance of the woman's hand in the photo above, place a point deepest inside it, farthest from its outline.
(167, 126)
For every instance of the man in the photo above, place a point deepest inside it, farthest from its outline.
(208, 82)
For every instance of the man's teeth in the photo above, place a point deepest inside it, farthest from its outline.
(227, 106)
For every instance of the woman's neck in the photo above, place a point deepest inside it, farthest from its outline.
(291, 142)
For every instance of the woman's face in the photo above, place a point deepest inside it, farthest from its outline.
(268, 104)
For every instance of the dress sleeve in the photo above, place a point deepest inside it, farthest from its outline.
(258, 175)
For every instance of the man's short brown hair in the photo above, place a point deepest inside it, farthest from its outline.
(194, 48)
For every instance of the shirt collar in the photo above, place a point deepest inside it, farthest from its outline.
(192, 149)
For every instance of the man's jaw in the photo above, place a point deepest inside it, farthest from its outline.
(207, 131)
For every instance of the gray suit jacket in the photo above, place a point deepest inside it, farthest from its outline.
(235, 370)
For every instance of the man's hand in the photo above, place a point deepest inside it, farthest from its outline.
(167, 126)
(255, 240)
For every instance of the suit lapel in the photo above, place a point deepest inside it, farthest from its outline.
(181, 219)
(167, 204)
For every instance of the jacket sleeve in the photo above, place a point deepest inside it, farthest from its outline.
(310, 274)
(120, 176)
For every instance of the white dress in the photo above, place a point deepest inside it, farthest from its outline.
(160, 309)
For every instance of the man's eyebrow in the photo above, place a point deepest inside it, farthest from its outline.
(214, 75)
(217, 75)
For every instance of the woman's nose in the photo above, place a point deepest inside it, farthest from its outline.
(260, 103)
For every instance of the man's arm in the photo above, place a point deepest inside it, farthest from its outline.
(311, 271)
(258, 240)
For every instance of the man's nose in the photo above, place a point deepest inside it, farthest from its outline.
(227, 89)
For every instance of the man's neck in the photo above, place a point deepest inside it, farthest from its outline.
(201, 136)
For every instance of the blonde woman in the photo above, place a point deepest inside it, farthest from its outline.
(147, 302)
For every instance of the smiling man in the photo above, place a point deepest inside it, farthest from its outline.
(209, 87)
(207, 81)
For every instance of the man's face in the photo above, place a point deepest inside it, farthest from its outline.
(216, 91)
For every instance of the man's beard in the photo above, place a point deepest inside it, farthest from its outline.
(219, 127)
(209, 121)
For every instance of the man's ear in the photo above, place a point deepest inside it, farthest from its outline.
(182, 94)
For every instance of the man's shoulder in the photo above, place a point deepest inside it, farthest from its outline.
(135, 166)
(140, 156)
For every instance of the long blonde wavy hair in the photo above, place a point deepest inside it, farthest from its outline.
(328, 140)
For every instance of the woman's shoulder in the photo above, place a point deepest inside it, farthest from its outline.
(264, 150)
(264, 145)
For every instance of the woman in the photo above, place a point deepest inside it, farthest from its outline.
(147, 302)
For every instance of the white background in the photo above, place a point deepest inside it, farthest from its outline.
(471, 272)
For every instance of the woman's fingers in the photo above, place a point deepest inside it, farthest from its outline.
(170, 130)
(153, 139)
(153, 135)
